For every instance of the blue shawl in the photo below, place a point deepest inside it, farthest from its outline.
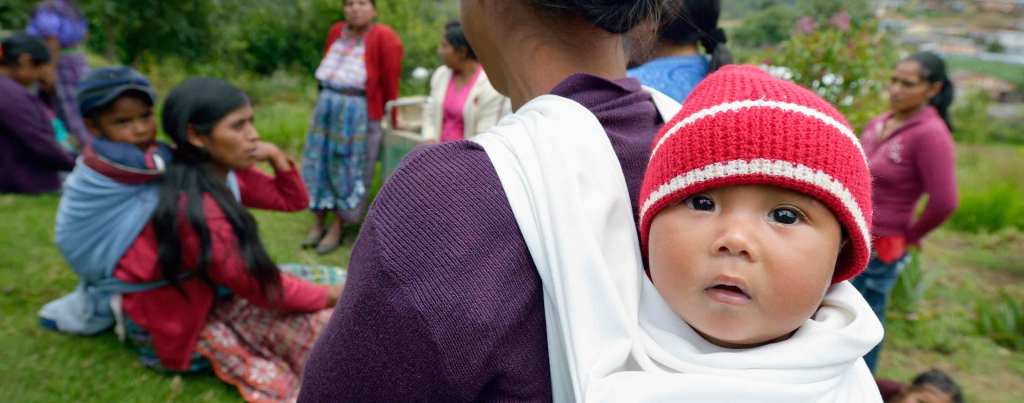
(98, 219)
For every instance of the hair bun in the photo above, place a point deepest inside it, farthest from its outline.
(615, 16)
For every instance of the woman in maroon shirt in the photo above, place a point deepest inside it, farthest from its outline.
(910, 153)
(226, 300)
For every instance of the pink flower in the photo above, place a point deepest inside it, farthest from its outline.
(806, 25)
(841, 21)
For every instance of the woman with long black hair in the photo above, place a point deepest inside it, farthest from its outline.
(910, 152)
(223, 301)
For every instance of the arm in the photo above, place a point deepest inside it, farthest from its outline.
(391, 67)
(431, 128)
(227, 267)
(936, 166)
(283, 192)
(26, 121)
(442, 306)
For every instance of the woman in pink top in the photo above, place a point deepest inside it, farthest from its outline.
(910, 152)
(462, 101)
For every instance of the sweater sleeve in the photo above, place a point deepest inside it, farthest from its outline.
(27, 122)
(282, 192)
(936, 166)
(227, 267)
(332, 35)
(442, 301)
(391, 67)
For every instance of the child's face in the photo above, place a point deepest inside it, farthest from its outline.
(744, 265)
(27, 72)
(128, 120)
(924, 394)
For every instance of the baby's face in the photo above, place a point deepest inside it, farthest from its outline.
(744, 265)
(128, 120)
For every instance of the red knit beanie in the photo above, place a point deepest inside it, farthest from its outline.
(743, 126)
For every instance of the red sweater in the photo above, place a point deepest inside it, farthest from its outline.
(174, 320)
(383, 65)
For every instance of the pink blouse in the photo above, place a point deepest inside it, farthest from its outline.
(452, 123)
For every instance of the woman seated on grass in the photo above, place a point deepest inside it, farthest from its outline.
(30, 157)
(226, 304)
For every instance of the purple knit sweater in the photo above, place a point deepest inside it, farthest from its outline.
(443, 302)
(30, 157)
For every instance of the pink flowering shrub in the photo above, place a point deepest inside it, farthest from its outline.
(846, 63)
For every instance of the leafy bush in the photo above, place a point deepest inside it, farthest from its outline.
(996, 207)
(224, 37)
(975, 125)
(14, 13)
(1002, 321)
(845, 61)
(910, 289)
(768, 26)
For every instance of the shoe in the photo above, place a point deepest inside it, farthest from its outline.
(323, 249)
(313, 240)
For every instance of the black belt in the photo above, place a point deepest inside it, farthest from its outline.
(351, 91)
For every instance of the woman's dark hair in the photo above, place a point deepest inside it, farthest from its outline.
(933, 69)
(456, 37)
(372, 3)
(18, 44)
(941, 381)
(615, 16)
(199, 103)
(697, 21)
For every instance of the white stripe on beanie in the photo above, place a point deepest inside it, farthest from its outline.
(760, 103)
(774, 168)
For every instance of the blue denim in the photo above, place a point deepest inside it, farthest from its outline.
(875, 284)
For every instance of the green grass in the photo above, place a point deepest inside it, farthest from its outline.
(41, 366)
(1005, 71)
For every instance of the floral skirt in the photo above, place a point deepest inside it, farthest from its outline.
(259, 351)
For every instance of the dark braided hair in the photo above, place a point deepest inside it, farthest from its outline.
(697, 21)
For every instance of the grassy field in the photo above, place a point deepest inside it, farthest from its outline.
(42, 366)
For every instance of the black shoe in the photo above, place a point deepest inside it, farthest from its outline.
(312, 241)
(323, 249)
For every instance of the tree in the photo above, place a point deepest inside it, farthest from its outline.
(127, 30)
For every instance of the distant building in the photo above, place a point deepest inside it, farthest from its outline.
(1001, 6)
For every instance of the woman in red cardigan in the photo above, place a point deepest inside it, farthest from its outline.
(358, 75)
(224, 303)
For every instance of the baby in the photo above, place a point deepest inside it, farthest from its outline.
(755, 209)
(109, 196)
(117, 106)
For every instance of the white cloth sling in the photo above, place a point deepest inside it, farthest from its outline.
(611, 338)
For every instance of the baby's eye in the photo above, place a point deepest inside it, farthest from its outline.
(700, 202)
(785, 215)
